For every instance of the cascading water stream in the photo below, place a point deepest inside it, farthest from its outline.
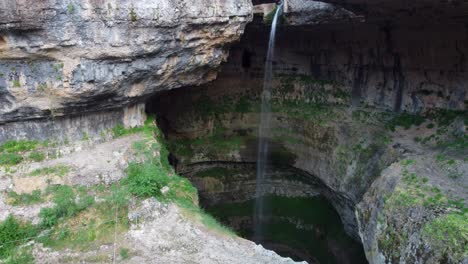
(264, 129)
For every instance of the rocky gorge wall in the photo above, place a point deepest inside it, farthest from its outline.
(399, 69)
(352, 102)
(367, 95)
(72, 58)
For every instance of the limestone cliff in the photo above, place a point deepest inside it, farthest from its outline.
(67, 57)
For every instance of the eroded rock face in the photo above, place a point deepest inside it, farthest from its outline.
(60, 58)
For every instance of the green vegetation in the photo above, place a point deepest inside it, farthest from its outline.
(244, 105)
(147, 178)
(16, 83)
(120, 130)
(214, 145)
(124, 253)
(77, 222)
(445, 117)
(59, 170)
(66, 205)
(88, 228)
(37, 156)
(10, 159)
(133, 15)
(10, 151)
(449, 235)
(12, 234)
(18, 146)
(71, 8)
(405, 120)
(25, 198)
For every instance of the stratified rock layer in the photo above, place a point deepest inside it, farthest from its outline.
(61, 58)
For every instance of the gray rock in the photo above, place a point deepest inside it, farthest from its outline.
(61, 58)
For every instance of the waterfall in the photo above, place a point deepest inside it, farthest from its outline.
(264, 129)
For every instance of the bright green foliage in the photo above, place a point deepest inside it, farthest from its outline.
(37, 156)
(18, 146)
(59, 170)
(449, 234)
(25, 198)
(120, 130)
(146, 180)
(65, 205)
(10, 151)
(12, 234)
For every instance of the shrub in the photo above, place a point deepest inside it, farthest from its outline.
(14, 233)
(65, 205)
(145, 180)
(124, 253)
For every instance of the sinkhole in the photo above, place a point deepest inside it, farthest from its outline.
(304, 219)
(299, 218)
